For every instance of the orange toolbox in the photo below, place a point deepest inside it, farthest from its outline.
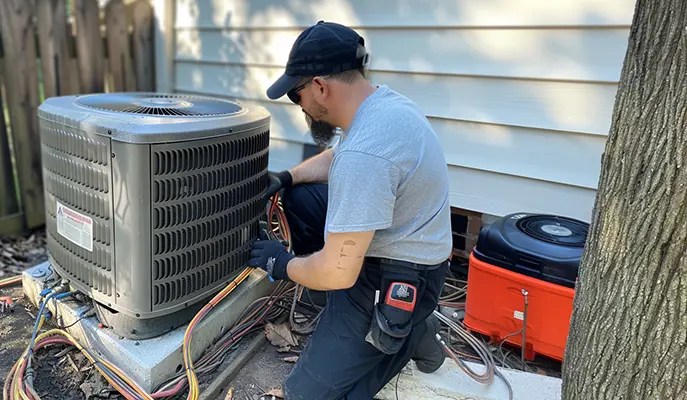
(524, 267)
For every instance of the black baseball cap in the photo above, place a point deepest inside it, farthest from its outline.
(322, 49)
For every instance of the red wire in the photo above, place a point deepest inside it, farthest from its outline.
(40, 344)
(171, 392)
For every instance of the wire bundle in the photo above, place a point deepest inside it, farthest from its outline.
(484, 354)
(459, 290)
(194, 391)
(279, 229)
(253, 319)
(19, 382)
(14, 388)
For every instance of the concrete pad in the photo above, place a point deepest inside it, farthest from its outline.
(152, 361)
(451, 382)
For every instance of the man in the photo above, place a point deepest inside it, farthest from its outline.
(372, 211)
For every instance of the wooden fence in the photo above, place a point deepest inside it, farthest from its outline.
(53, 48)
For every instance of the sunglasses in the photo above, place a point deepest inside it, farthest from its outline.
(293, 93)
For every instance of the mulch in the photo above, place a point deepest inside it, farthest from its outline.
(22, 252)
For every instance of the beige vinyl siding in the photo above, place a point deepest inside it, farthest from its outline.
(520, 92)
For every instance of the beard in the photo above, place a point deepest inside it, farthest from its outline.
(322, 132)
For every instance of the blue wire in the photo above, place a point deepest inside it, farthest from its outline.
(48, 314)
(43, 303)
(63, 295)
(38, 319)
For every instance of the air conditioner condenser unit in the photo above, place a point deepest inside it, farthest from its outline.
(152, 200)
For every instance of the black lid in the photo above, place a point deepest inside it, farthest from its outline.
(547, 247)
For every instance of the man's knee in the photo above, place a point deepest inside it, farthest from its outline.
(292, 199)
(305, 206)
(304, 195)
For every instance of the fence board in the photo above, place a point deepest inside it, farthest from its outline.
(73, 59)
(59, 76)
(21, 86)
(144, 63)
(9, 206)
(89, 45)
(118, 51)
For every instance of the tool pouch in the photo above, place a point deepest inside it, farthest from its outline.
(390, 326)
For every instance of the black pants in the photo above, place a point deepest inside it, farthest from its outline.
(338, 363)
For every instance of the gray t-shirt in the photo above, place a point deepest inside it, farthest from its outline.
(389, 174)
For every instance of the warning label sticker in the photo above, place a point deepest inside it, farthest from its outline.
(76, 227)
(519, 315)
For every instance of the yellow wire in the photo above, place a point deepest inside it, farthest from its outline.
(16, 379)
(7, 387)
(93, 360)
(58, 332)
(188, 361)
(10, 281)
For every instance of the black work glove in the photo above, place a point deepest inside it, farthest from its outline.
(271, 256)
(277, 181)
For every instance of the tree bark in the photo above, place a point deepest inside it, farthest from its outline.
(628, 331)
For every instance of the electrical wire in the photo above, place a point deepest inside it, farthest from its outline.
(118, 379)
(10, 281)
(481, 349)
(310, 325)
(251, 320)
(279, 229)
(194, 391)
(485, 355)
(522, 331)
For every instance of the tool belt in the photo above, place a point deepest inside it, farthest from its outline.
(402, 285)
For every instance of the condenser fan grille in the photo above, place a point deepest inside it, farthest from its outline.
(555, 229)
(159, 104)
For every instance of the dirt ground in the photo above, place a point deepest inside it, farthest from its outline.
(15, 331)
(264, 372)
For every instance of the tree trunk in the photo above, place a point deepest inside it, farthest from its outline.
(628, 331)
